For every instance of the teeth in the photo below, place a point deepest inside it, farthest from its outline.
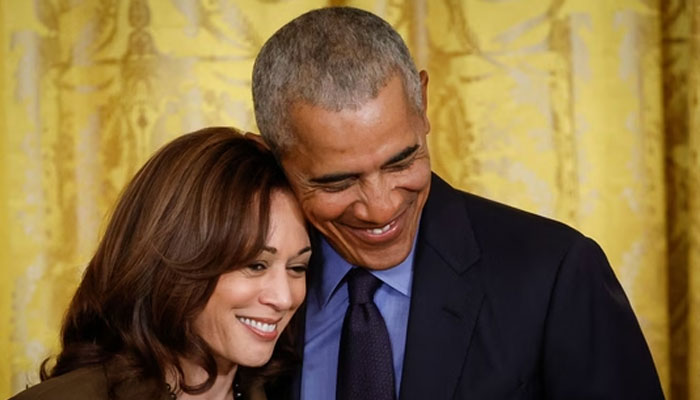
(261, 326)
(379, 231)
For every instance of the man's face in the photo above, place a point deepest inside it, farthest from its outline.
(363, 176)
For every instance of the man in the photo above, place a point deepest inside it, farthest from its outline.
(479, 300)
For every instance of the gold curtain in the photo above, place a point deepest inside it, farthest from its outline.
(584, 111)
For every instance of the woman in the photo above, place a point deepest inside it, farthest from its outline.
(199, 272)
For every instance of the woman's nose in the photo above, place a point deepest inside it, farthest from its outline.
(277, 292)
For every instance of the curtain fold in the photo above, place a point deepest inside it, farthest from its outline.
(676, 47)
(586, 112)
(5, 284)
(690, 158)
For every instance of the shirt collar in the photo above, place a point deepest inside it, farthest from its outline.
(335, 267)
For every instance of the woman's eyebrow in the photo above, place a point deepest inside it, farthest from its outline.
(273, 250)
(269, 249)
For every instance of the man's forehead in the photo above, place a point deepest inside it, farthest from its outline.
(354, 140)
(390, 103)
(321, 164)
(342, 145)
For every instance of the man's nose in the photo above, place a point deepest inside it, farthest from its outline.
(379, 201)
(277, 292)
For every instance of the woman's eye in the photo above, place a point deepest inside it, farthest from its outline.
(299, 269)
(256, 267)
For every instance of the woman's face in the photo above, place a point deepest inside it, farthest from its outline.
(251, 306)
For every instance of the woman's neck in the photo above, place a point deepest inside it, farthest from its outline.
(222, 389)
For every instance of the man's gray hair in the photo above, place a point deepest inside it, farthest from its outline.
(336, 58)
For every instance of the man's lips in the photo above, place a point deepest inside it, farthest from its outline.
(382, 230)
(379, 234)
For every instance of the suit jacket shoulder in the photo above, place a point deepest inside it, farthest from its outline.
(507, 304)
(486, 227)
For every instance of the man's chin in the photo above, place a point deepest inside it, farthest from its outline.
(379, 260)
(374, 256)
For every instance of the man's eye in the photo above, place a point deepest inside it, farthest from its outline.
(401, 166)
(339, 187)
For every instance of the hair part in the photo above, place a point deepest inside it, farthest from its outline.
(197, 209)
(336, 58)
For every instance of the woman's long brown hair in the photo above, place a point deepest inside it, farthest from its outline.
(197, 209)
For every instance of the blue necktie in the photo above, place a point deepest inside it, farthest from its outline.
(365, 364)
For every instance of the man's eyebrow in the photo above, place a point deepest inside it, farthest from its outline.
(332, 178)
(407, 152)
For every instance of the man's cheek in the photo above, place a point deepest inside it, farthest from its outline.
(316, 213)
(324, 207)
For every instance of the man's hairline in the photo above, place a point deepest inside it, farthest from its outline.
(282, 147)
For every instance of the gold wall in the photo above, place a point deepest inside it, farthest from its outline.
(584, 111)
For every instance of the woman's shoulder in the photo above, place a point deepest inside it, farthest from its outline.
(83, 383)
(91, 383)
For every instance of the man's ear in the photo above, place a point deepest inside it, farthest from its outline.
(424, 99)
(424, 89)
(258, 139)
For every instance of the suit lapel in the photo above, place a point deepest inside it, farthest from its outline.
(445, 299)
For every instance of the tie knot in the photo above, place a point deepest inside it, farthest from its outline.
(362, 285)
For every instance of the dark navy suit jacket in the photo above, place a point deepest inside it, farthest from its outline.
(510, 305)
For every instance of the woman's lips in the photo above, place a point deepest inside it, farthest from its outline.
(265, 329)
